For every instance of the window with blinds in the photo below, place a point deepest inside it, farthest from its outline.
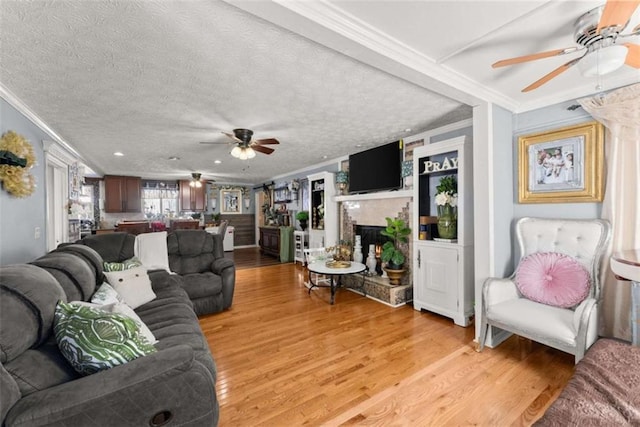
(160, 199)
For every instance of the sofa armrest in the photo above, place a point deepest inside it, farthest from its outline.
(127, 395)
(226, 269)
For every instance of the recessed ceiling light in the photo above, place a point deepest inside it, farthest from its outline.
(407, 130)
(217, 162)
(325, 156)
(359, 145)
(173, 158)
(118, 153)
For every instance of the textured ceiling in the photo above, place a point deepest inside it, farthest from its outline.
(153, 79)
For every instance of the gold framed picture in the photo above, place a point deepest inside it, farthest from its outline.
(231, 201)
(562, 166)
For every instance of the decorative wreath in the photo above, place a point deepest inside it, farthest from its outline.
(16, 160)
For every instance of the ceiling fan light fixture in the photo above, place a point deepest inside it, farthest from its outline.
(250, 153)
(236, 152)
(195, 180)
(603, 61)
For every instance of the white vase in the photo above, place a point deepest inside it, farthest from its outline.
(371, 262)
(357, 253)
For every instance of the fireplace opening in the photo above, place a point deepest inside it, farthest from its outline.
(370, 235)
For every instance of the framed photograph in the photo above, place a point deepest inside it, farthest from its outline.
(562, 166)
(231, 201)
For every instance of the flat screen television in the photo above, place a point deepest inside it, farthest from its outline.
(376, 169)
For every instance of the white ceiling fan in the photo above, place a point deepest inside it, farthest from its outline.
(598, 33)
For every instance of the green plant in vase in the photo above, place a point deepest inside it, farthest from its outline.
(447, 205)
(303, 217)
(398, 231)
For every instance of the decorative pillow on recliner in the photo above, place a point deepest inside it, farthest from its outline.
(93, 340)
(120, 266)
(125, 310)
(134, 285)
(106, 295)
(552, 278)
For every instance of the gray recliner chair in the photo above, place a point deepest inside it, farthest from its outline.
(208, 277)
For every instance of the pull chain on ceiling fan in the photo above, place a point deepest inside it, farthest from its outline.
(597, 32)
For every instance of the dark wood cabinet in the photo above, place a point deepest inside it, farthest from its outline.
(270, 241)
(122, 194)
(192, 199)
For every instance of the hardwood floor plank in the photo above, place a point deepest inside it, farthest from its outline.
(287, 358)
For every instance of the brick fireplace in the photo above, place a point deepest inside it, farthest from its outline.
(366, 214)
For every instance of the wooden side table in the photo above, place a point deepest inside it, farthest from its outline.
(626, 266)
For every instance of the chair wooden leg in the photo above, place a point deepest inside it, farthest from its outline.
(483, 336)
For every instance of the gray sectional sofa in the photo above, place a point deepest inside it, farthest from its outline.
(174, 386)
(195, 255)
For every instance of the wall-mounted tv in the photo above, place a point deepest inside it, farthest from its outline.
(376, 169)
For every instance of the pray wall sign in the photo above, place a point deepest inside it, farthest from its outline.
(445, 165)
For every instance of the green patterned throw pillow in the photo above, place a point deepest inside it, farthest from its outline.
(121, 266)
(93, 340)
(106, 295)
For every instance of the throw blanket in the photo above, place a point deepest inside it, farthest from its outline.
(151, 250)
(604, 390)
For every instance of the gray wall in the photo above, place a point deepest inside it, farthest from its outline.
(19, 217)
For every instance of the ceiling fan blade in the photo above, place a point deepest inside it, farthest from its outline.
(561, 69)
(232, 136)
(617, 12)
(260, 148)
(633, 56)
(535, 56)
(266, 141)
(215, 142)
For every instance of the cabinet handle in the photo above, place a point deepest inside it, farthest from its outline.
(419, 252)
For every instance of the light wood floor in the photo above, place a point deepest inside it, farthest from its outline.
(285, 358)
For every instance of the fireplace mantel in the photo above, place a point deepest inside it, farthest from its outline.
(374, 196)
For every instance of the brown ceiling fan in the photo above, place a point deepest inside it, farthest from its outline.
(598, 33)
(246, 147)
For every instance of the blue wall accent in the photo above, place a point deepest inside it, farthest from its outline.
(19, 217)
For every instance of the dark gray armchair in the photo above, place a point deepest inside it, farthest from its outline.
(208, 277)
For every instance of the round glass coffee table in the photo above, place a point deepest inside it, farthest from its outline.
(334, 273)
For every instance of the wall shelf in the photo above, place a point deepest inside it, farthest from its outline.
(373, 196)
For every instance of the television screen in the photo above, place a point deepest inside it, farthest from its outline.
(376, 169)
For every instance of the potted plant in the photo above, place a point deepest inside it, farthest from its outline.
(447, 203)
(398, 231)
(303, 217)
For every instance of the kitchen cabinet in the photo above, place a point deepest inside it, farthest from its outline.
(122, 194)
(443, 279)
(192, 199)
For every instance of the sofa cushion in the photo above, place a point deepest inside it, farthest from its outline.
(112, 247)
(133, 284)
(552, 278)
(28, 297)
(93, 340)
(75, 275)
(90, 256)
(190, 251)
(202, 284)
(41, 368)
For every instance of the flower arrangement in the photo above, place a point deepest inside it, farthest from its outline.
(447, 191)
(17, 160)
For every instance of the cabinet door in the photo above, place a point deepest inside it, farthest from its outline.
(113, 197)
(197, 198)
(133, 202)
(185, 196)
(438, 277)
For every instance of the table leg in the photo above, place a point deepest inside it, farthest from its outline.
(333, 288)
(313, 285)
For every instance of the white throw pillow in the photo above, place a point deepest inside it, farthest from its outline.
(134, 285)
(106, 295)
(151, 250)
(125, 310)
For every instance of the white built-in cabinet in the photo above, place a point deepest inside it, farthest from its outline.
(323, 213)
(443, 270)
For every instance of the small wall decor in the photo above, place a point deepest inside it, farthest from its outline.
(16, 160)
(231, 201)
(562, 166)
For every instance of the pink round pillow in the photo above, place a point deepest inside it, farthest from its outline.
(552, 278)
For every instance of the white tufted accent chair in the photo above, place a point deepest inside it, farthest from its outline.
(570, 330)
